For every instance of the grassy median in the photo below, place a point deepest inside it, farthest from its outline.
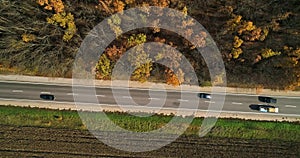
(230, 128)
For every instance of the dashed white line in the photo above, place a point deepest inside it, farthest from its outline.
(127, 97)
(236, 103)
(45, 92)
(153, 98)
(17, 91)
(182, 100)
(72, 94)
(212, 102)
(101, 95)
(290, 106)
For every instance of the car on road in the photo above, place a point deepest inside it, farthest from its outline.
(268, 108)
(47, 96)
(204, 95)
(267, 99)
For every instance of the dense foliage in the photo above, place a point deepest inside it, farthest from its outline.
(259, 40)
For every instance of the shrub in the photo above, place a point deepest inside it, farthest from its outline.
(267, 53)
(235, 52)
(237, 42)
(137, 39)
(28, 37)
(206, 84)
(103, 68)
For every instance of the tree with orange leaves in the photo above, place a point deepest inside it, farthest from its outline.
(56, 5)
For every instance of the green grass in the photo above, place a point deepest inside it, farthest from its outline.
(25, 116)
(256, 129)
(229, 128)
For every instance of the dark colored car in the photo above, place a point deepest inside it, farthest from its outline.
(47, 96)
(204, 95)
(267, 99)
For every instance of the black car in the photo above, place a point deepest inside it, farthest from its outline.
(204, 95)
(47, 96)
(267, 99)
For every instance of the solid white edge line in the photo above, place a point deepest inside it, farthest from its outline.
(156, 108)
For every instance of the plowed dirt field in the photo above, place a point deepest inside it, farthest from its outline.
(47, 142)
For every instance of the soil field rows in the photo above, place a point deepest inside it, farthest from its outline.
(50, 142)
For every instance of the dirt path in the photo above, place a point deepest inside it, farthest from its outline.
(46, 142)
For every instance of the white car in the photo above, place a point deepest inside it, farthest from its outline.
(268, 108)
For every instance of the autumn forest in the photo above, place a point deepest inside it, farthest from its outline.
(259, 40)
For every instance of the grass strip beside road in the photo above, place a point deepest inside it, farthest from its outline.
(229, 128)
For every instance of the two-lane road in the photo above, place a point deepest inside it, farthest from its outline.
(238, 103)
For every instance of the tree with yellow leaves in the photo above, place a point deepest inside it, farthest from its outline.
(61, 18)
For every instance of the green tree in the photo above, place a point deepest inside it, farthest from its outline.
(142, 64)
(65, 21)
(142, 73)
(103, 68)
(136, 39)
(114, 23)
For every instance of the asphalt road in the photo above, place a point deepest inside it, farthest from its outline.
(238, 103)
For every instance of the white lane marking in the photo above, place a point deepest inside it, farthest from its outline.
(153, 98)
(236, 103)
(45, 92)
(101, 95)
(212, 102)
(290, 106)
(72, 94)
(127, 97)
(182, 100)
(17, 91)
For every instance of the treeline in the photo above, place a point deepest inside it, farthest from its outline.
(259, 41)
